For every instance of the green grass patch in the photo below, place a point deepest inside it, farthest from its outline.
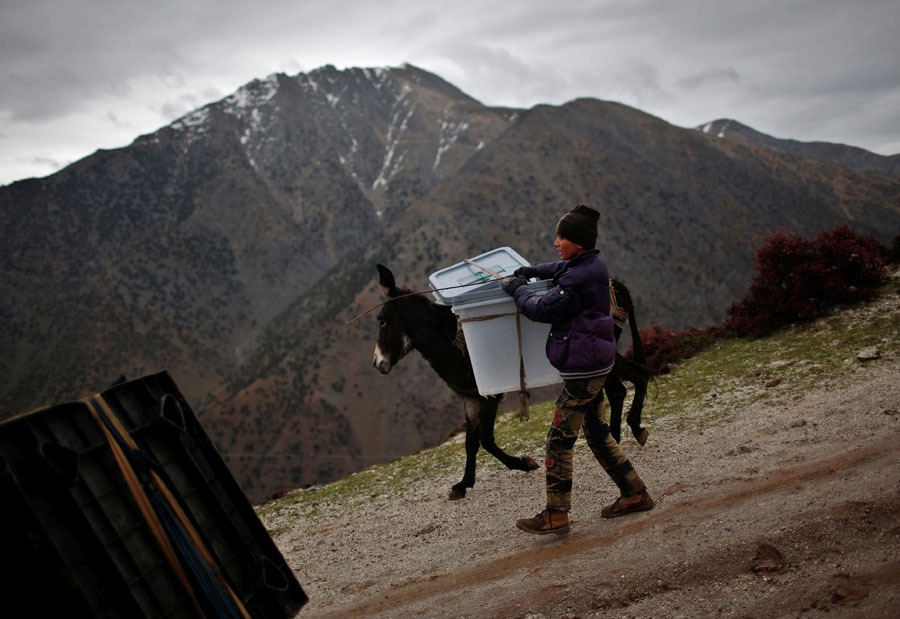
(738, 371)
(398, 477)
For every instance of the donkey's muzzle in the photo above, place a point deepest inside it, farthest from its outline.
(381, 363)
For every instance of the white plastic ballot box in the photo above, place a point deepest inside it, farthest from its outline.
(488, 319)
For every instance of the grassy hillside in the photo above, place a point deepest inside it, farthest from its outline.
(705, 390)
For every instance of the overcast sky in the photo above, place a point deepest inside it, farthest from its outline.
(78, 75)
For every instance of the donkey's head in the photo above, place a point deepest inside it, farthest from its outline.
(393, 340)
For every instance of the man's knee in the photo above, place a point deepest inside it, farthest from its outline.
(596, 429)
(559, 441)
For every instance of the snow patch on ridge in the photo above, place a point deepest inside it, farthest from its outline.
(449, 134)
(398, 126)
(245, 104)
(378, 76)
(194, 120)
(709, 127)
(252, 95)
(193, 125)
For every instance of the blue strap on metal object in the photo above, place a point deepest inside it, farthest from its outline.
(189, 555)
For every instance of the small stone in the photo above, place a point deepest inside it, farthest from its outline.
(774, 382)
(848, 589)
(742, 449)
(869, 354)
(767, 559)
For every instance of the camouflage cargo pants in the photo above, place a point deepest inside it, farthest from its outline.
(579, 406)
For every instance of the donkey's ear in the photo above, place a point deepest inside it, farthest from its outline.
(386, 279)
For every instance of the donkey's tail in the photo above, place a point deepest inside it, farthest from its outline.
(636, 335)
(624, 307)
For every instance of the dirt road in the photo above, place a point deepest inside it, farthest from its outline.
(784, 510)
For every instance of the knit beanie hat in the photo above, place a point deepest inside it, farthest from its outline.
(579, 226)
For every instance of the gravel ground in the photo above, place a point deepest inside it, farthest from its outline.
(784, 509)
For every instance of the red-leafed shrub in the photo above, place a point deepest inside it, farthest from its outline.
(662, 346)
(796, 278)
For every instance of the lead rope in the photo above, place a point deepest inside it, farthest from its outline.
(524, 413)
(618, 314)
(417, 293)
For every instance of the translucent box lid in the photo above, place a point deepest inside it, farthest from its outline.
(479, 296)
(503, 261)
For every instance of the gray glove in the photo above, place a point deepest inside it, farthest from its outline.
(510, 285)
(525, 272)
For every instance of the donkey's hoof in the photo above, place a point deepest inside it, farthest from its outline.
(528, 463)
(457, 494)
(641, 437)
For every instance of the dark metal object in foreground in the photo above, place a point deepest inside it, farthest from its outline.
(76, 543)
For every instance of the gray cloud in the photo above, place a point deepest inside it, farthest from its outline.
(185, 103)
(496, 75)
(47, 162)
(64, 57)
(792, 68)
(710, 76)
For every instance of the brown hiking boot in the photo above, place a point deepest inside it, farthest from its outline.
(548, 521)
(640, 502)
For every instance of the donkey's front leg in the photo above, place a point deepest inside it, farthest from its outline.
(487, 416)
(458, 491)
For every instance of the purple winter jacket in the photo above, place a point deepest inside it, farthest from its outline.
(581, 343)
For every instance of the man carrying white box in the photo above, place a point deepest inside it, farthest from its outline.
(581, 345)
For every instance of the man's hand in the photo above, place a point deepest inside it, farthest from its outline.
(525, 272)
(510, 285)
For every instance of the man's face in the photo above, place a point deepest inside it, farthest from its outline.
(566, 248)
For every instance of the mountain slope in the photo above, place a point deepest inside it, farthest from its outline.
(849, 156)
